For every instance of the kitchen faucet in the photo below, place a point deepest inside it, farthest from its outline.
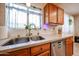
(29, 27)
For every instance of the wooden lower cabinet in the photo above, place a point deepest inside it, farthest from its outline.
(21, 52)
(69, 46)
(40, 50)
(46, 53)
(69, 51)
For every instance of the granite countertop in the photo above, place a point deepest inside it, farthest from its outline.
(48, 38)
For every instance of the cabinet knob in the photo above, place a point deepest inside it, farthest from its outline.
(41, 48)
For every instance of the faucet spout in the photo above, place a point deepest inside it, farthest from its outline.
(30, 27)
(33, 25)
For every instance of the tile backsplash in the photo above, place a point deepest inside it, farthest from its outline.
(14, 32)
(22, 32)
(3, 32)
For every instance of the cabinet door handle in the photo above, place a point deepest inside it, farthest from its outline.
(41, 48)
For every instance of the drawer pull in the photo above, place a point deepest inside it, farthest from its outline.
(41, 48)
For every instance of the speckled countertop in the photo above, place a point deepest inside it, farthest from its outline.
(48, 38)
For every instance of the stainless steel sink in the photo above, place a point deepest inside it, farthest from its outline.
(11, 42)
(37, 38)
(17, 41)
(23, 40)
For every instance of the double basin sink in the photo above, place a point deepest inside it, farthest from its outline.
(23, 40)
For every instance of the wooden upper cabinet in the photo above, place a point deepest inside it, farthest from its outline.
(53, 14)
(60, 16)
(46, 14)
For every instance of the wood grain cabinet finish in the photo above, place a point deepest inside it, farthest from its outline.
(46, 53)
(40, 49)
(50, 14)
(60, 16)
(69, 46)
(46, 14)
(21, 52)
(53, 14)
(69, 50)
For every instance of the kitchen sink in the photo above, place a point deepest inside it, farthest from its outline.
(37, 38)
(23, 40)
(11, 42)
(17, 41)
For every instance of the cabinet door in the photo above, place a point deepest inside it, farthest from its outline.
(46, 16)
(69, 46)
(21, 52)
(52, 14)
(47, 53)
(36, 50)
(60, 16)
(69, 40)
(69, 50)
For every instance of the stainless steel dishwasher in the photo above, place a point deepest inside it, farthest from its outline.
(58, 48)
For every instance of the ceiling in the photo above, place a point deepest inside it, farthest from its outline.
(70, 8)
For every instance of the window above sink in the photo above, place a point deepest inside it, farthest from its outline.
(17, 16)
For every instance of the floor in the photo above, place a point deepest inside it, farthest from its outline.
(76, 49)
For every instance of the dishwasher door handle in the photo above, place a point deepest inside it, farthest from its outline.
(53, 47)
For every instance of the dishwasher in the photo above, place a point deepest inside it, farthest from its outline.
(58, 48)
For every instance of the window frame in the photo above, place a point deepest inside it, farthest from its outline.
(27, 12)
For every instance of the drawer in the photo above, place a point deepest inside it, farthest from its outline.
(46, 53)
(39, 49)
(21, 52)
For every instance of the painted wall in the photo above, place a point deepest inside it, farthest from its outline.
(2, 14)
(66, 28)
(76, 25)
